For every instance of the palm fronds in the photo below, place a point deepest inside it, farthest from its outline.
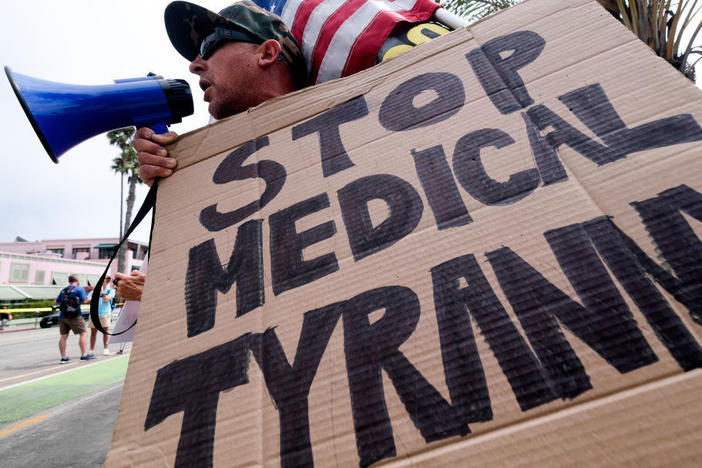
(669, 27)
(663, 25)
(126, 162)
(473, 10)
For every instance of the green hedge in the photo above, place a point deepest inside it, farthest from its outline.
(28, 305)
(24, 315)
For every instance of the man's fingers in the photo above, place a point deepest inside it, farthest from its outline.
(149, 173)
(148, 141)
(148, 134)
(152, 166)
(144, 132)
(148, 146)
(164, 138)
(151, 159)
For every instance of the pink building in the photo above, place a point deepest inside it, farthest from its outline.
(38, 270)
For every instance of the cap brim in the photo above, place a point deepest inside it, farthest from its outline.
(188, 24)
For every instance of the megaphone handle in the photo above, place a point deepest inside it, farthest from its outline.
(160, 127)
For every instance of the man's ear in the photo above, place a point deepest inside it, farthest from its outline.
(269, 52)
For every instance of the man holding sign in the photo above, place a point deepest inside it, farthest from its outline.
(338, 39)
(244, 55)
(327, 40)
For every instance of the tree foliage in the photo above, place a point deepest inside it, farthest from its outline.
(473, 10)
(668, 27)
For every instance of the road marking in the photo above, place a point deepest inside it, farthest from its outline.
(24, 424)
(16, 330)
(48, 369)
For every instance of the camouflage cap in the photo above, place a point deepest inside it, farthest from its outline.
(189, 24)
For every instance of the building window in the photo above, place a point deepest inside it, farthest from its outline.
(106, 252)
(39, 276)
(59, 278)
(19, 272)
(81, 253)
(58, 252)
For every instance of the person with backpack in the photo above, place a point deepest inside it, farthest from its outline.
(69, 301)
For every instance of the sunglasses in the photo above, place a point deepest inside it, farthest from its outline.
(211, 43)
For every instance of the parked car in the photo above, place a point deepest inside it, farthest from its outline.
(53, 319)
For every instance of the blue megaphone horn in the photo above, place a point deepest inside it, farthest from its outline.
(64, 115)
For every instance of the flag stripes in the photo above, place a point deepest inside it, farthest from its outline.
(341, 37)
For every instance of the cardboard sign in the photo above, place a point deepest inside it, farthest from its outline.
(484, 251)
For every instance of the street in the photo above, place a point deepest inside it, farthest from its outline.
(53, 414)
(77, 433)
(30, 354)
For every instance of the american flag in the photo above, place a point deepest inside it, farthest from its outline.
(341, 37)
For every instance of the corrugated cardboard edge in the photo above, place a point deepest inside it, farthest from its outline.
(617, 430)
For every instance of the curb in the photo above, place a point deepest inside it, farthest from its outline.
(17, 330)
(23, 324)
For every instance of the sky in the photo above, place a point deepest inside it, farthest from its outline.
(88, 42)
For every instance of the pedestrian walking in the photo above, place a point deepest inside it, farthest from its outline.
(71, 318)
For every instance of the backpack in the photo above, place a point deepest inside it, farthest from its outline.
(70, 306)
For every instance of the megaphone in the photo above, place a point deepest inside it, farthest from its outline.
(64, 115)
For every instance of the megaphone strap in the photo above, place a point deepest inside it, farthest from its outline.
(148, 205)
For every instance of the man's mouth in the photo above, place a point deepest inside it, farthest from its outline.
(205, 85)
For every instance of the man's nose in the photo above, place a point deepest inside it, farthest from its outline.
(197, 65)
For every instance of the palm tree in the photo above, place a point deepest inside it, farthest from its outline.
(659, 23)
(473, 10)
(125, 164)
